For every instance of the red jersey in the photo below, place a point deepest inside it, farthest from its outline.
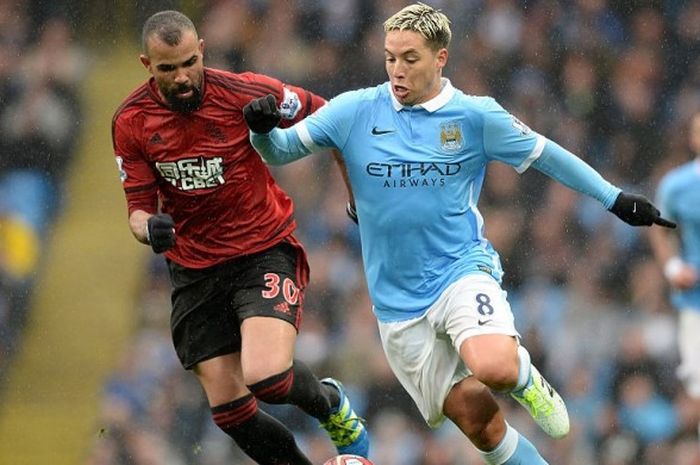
(202, 168)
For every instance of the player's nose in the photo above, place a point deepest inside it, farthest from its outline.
(181, 78)
(397, 74)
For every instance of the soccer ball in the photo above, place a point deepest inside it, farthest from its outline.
(347, 459)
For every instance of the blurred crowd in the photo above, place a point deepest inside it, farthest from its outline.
(614, 81)
(41, 69)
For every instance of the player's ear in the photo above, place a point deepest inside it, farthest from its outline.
(201, 46)
(442, 55)
(145, 61)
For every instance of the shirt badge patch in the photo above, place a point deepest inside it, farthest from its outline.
(290, 105)
(451, 138)
(120, 167)
(521, 127)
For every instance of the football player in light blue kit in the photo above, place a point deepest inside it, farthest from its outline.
(678, 197)
(416, 151)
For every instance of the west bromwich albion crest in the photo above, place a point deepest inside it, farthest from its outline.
(451, 138)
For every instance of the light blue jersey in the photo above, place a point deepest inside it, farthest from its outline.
(678, 198)
(416, 174)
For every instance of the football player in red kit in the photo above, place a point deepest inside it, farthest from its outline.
(199, 193)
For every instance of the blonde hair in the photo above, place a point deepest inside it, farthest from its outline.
(430, 23)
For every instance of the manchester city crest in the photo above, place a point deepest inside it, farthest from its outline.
(451, 138)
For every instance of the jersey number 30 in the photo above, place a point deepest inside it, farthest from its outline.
(288, 288)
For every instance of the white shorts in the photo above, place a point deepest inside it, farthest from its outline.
(424, 352)
(689, 347)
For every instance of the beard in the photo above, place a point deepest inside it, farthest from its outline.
(183, 105)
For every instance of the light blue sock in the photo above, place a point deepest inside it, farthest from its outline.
(524, 364)
(514, 449)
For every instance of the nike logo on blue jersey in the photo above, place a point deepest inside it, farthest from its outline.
(379, 132)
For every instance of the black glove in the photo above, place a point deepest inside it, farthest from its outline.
(351, 212)
(638, 211)
(161, 232)
(262, 114)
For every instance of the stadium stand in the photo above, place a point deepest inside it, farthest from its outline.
(39, 124)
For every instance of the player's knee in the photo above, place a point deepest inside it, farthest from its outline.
(274, 389)
(498, 375)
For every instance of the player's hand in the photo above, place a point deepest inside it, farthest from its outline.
(261, 114)
(161, 232)
(351, 212)
(680, 274)
(637, 210)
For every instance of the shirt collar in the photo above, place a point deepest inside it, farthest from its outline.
(432, 105)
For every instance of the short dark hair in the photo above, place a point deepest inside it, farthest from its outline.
(168, 26)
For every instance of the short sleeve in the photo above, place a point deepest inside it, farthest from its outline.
(292, 96)
(508, 140)
(294, 103)
(330, 126)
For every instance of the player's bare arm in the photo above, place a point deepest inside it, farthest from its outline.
(350, 207)
(138, 223)
(664, 244)
(158, 231)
